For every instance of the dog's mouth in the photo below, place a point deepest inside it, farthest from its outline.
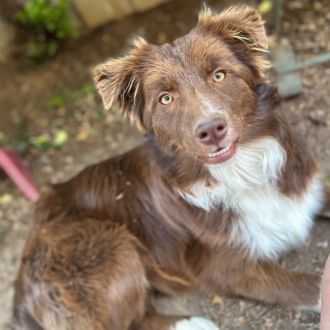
(220, 155)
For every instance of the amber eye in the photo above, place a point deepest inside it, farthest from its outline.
(166, 99)
(219, 75)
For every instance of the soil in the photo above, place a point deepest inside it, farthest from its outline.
(94, 134)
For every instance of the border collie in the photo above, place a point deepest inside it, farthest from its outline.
(219, 191)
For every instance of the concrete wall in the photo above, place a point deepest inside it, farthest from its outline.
(96, 13)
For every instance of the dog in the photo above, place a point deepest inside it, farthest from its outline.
(220, 189)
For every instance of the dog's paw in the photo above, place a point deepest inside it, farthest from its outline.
(195, 323)
(314, 307)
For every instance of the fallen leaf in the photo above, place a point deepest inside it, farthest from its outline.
(5, 199)
(217, 300)
(161, 38)
(82, 135)
(241, 319)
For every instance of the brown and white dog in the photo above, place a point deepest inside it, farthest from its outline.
(220, 190)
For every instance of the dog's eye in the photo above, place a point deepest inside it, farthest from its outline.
(166, 99)
(219, 75)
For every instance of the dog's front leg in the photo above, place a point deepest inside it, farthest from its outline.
(271, 283)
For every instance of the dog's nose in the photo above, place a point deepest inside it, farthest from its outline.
(211, 132)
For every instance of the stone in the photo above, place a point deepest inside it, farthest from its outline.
(97, 13)
(142, 5)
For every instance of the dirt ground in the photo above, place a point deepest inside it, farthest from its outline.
(58, 96)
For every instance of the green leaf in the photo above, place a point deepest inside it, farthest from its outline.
(60, 138)
(87, 89)
(50, 26)
(52, 48)
(41, 141)
(265, 6)
(51, 22)
(57, 101)
(35, 49)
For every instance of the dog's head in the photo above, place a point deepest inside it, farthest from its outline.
(199, 93)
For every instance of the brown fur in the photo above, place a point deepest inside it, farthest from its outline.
(103, 242)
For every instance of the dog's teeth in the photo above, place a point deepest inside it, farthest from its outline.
(218, 153)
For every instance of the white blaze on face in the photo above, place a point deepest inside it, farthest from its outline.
(209, 109)
(212, 111)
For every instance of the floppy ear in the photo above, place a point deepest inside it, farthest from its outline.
(119, 81)
(241, 24)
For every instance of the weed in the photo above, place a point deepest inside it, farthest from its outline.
(49, 23)
(71, 95)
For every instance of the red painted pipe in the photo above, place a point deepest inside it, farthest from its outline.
(13, 165)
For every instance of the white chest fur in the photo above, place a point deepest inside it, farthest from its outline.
(268, 222)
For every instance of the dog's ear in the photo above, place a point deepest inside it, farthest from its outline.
(243, 23)
(242, 28)
(119, 81)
